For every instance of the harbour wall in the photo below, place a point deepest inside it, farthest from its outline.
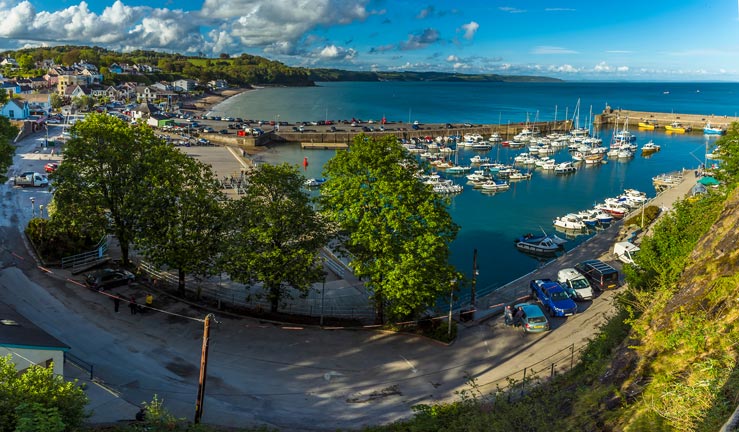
(321, 137)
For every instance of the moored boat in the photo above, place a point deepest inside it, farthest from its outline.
(650, 147)
(569, 222)
(647, 125)
(677, 127)
(542, 244)
(713, 130)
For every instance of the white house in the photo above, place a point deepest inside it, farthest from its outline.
(184, 85)
(15, 109)
(9, 61)
(27, 343)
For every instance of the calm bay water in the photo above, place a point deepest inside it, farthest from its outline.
(489, 223)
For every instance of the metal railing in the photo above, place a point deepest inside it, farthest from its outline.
(86, 259)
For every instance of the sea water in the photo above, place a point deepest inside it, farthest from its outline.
(489, 223)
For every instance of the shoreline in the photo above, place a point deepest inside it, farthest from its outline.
(205, 103)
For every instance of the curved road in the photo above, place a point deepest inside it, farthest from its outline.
(259, 373)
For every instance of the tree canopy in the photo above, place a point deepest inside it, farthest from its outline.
(38, 400)
(181, 213)
(397, 230)
(104, 164)
(274, 234)
(7, 133)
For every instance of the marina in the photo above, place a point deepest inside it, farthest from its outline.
(528, 184)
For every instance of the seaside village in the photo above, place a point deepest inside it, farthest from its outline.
(456, 159)
(77, 89)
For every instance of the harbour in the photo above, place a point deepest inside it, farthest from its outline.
(491, 220)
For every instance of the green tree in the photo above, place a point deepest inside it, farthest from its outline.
(101, 174)
(56, 101)
(7, 133)
(25, 61)
(181, 214)
(38, 397)
(275, 234)
(729, 149)
(398, 231)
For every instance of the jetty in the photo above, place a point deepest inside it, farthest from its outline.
(617, 116)
(340, 135)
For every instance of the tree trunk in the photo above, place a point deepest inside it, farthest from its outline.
(379, 309)
(274, 298)
(181, 282)
(124, 253)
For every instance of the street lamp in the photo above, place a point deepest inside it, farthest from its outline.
(475, 272)
(452, 287)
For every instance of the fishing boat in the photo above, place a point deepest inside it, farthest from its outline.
(713, 130)
(647, 125)
(541, 244)
(677, 127)
(650, 147)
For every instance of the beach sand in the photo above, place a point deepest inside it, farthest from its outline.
(202, 105)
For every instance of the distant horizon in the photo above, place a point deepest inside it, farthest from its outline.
(578, 40)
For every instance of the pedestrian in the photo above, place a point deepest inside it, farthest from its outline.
(132, 305)
(518, 317)
(149, 299)
(508, 315)
(116, 303)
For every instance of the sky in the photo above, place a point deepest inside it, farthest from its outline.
(575, 40)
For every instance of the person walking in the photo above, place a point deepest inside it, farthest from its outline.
(133, 305)
(149, 299)
(508, 315)
(116, 303)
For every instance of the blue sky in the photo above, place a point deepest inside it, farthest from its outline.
(573, 40)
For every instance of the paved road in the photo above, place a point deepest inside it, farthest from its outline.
(259, 373)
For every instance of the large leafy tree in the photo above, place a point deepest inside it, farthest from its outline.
(181, 213)
(275, 234)
(38, 397)
(7, 133)
(397, 230)
(104, 164)
(729, 150)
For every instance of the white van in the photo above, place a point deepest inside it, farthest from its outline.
(625, 251)
(575, 282)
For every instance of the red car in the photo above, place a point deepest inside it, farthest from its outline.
(51, 167)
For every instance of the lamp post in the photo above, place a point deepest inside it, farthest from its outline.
(452, 286)
(475, 272)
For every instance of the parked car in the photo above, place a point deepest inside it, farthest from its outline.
(553, 297)
(575, 284)
(51, 167)
(108, 278)
(601, 275)
(533, 319)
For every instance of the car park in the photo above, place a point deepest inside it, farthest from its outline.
(108, 278)
(602, 276)
(553, 297)
(533, 319)
(575, 284)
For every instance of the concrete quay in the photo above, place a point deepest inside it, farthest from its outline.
(695, 121)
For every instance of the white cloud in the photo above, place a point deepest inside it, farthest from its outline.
(559, 9)
(461, 66)
(470, 29)
(452, 58)
(425, 12)
(510, 9)
(622, 69)
(566, 68)
(334, 52)
(547, 50)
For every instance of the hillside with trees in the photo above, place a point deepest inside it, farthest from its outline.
(241, 70)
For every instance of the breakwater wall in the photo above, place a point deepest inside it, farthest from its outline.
(612, 117)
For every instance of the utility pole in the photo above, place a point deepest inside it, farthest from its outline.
(451, 306)
(203, 369)
(474, 283)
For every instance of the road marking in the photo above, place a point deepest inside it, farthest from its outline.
(409, 364)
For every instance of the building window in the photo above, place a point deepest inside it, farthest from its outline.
(11, 114)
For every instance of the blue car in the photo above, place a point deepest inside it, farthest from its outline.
(533, 319)
(553, 297)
